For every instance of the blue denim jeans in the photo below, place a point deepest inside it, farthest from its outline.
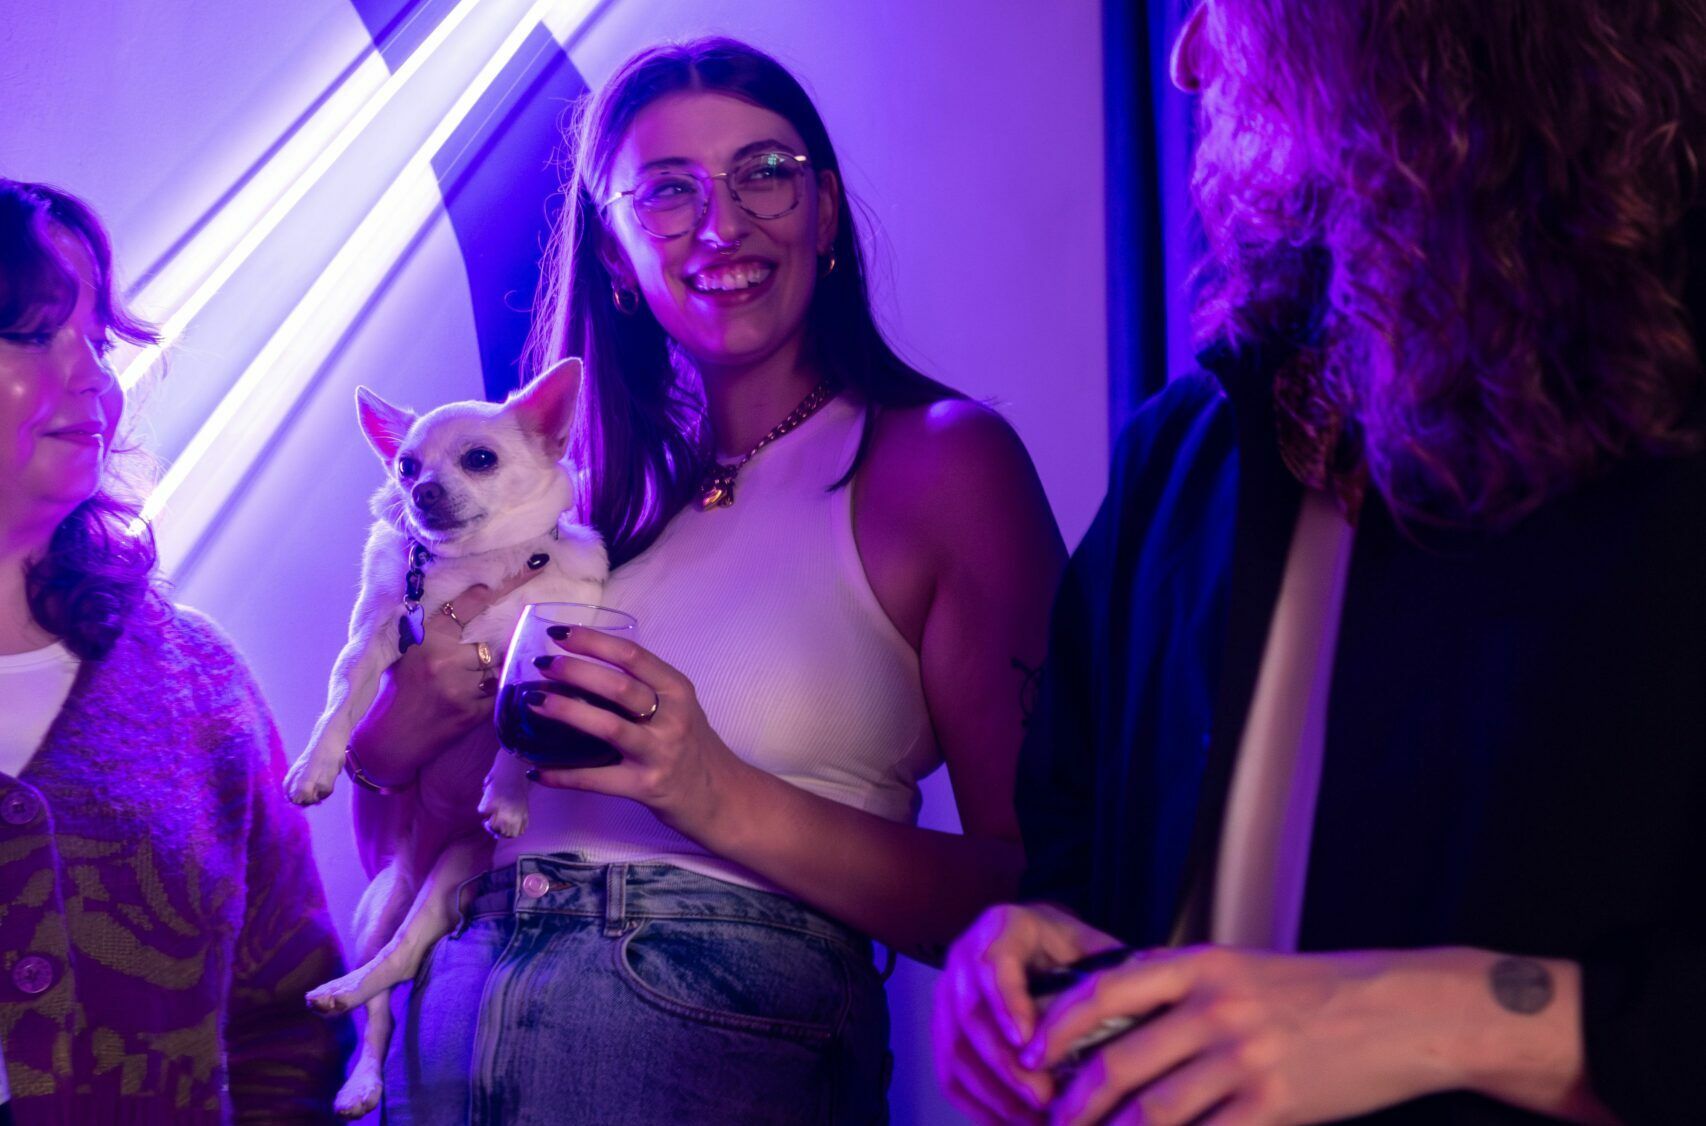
(639, 993)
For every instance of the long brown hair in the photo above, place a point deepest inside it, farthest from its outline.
(640, 435)
(99, 567)
(1467, 212)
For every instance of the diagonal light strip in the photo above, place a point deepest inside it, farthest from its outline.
(328, 153)
(217, 459)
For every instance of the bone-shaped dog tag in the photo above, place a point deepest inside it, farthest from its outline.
(411, 627)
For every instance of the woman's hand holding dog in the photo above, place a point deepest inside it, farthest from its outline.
(430, 697)
(672, 762)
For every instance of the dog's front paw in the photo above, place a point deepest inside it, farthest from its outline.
(507, 823)
(310, 779)
(505, 817)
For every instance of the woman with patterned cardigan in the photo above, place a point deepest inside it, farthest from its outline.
(160, 914)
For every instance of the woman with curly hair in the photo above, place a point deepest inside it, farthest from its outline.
(160, 913)
(1368, 768)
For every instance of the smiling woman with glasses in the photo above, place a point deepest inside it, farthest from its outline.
(840, 568)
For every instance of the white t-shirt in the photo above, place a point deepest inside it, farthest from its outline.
(33, 687)
(1270, 809)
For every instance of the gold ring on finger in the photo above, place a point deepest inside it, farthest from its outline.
(483, 654)
(449, 611)
(646, 716)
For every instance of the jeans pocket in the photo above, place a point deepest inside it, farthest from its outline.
(738, 974)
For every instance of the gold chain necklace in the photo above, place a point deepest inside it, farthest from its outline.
(717, 486)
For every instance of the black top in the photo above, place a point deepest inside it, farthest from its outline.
(1516, 742)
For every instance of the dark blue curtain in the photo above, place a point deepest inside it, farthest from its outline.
(1152, 242)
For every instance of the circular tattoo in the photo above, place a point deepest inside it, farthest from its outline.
(1521, 985)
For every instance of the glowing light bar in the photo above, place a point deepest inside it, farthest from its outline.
(217, 459)
(250, 218)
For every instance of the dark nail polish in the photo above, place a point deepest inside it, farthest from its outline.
(534, 699)
(542, 662)
(533, 776)
(558, 633)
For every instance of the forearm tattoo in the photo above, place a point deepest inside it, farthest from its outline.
(1521, 985)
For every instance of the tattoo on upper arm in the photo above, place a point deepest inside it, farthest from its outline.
(1027, 689)
(1521, 985)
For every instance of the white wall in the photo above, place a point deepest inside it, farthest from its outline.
(151, 110)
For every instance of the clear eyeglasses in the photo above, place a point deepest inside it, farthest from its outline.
(670, 202)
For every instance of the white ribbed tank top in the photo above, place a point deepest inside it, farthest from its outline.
(765, 606)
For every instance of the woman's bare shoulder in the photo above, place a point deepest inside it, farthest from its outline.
(956, 474)
(946, 442)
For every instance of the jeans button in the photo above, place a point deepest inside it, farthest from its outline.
(33, 974)
(534, 885)
(19, 807)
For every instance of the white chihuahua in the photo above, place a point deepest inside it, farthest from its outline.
(477, 493)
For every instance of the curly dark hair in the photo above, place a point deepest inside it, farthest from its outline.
(99, 567)
(1468, 212)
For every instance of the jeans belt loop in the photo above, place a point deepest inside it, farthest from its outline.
(462, 905)
(615, 899)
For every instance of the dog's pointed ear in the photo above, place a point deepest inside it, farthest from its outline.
(546, 406)
(384, 425)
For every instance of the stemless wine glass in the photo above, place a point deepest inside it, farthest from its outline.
(539, 739)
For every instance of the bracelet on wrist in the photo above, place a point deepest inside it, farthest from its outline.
(352, 767)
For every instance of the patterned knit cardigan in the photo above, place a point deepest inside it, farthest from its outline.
(160, 913)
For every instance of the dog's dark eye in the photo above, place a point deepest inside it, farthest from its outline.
(407, 467)
(479, 459)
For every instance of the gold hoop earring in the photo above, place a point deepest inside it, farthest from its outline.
(824, 269)
(627, 301)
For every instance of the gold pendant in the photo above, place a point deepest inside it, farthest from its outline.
(717, 489)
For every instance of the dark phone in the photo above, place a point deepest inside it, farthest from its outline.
(1058, 979)
(1046, 983)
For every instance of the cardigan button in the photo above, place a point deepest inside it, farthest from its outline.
(534, 885)
(33, 974)
(20, 807)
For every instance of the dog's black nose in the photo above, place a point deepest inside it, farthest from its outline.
(427, 494)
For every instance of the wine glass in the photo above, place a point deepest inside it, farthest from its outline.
(543, 741)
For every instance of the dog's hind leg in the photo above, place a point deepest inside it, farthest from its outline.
(430, 916)
(378, 918)
(360, 1092)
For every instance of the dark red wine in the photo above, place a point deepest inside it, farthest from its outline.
(544, 741)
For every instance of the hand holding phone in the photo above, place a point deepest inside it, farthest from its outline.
(1045, 984)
